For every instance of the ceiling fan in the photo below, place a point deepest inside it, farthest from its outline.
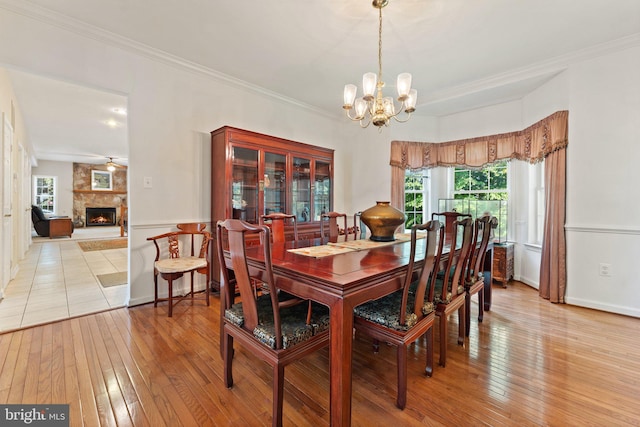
(111, 165)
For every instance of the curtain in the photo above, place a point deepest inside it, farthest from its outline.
(553, 272)
(546, 139)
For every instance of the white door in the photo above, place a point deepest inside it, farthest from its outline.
(7, 139)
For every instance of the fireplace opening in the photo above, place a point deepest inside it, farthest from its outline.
(100, 216)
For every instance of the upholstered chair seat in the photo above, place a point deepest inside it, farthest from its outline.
(386, 311)
(176, 265)
(295, 329)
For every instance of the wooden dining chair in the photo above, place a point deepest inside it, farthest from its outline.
(277, 222)
(449, 293)
(273, 327)
(175, 257)
(359, 227)
(407, 314)
(474, 276)
(333, 228)
(448, 218)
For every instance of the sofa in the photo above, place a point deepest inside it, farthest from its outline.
(55, 226)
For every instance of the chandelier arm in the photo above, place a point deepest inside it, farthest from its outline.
(395, 117)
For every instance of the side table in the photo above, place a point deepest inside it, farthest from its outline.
(502, 269)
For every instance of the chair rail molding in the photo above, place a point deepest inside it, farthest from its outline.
(601, 229)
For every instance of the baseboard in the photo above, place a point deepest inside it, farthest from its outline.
(627, 311)
(529, 282)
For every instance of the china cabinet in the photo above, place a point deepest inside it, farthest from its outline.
(253, 174)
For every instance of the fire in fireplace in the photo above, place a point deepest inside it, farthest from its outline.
(100, 216)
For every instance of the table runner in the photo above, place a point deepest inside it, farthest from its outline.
(348, 246)
(320, 251)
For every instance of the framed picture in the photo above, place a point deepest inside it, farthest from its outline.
(101, 181)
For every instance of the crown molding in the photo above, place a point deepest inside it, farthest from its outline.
(548, 67)
(50, 17)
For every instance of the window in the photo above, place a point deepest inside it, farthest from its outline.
(536, 203)
(416, 197)
(482, 188)
(44, 193)
(489, 183)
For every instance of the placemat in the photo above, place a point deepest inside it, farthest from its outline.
(320, 251)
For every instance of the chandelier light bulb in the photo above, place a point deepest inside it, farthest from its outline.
(410, 103)
(361, 108)
(349, 95)
(403, 86)
(369, 81)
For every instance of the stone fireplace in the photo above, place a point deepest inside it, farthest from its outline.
(106, 203)
(100, 216)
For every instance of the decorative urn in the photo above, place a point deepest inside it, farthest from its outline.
(383, 220)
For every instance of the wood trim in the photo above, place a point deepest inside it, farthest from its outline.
(99, 191)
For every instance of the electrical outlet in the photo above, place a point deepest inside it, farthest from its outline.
(605, 269)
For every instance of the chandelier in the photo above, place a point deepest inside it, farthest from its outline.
(373, 107)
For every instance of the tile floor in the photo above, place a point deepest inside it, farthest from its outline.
(57, 280)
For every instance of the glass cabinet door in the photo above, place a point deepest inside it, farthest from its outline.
(244, 186)
(274, 183)
(301, 189)
(321, 190)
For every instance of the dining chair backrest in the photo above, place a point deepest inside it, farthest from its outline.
(481, 234)
(331, 218)
(448, 218)
(235, 231)
(461, 239)
(277, 221)
(359, 227)
(429, 254)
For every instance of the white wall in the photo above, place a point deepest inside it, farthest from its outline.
(603, 210)
(63, 171)
(172, 110)
(603, 215)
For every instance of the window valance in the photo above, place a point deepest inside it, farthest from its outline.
(532, 144)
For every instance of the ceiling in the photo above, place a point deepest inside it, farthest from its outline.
(463, 54)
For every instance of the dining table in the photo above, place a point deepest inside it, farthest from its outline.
(340, 276)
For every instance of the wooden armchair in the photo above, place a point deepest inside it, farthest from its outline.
(407, 314)
(277, 222)
(474, 277)
(175, 256)
(273, 326)
(449, 293)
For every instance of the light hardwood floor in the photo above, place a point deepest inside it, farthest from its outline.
(530, 363)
